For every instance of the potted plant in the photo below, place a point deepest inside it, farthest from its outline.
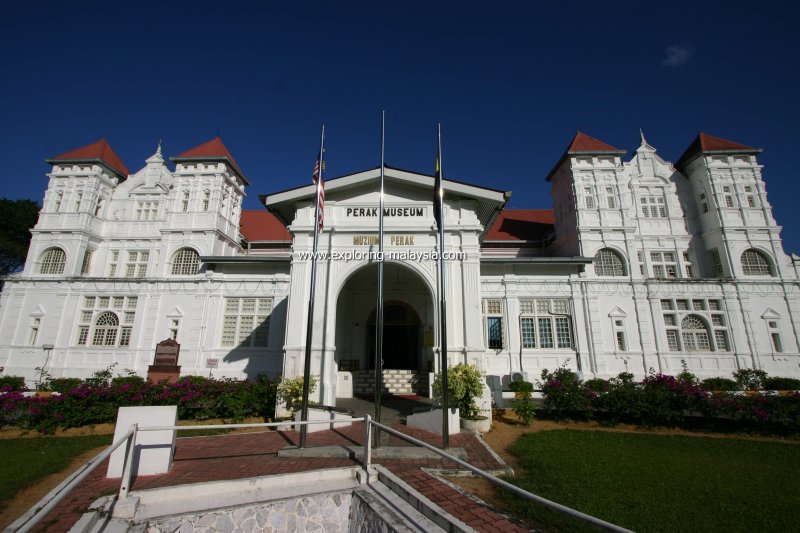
(465, 385)
(290, 392)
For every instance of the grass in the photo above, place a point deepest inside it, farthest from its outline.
(658, 482)
(26, 461)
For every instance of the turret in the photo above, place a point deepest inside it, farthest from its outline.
(740, 235)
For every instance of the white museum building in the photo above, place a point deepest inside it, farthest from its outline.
(642, 264)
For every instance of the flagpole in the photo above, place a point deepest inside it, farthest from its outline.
(379, 304)
(310, 325)
(442, 305)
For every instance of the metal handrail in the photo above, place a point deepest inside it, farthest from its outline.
(130, 439)
(88, 468)
(497, 481)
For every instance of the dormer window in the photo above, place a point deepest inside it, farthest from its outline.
(146, 210)
(653, 206)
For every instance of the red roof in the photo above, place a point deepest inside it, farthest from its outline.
(521, 225)
(212, 150)
(584, 144)
(708, 143)
(99, 151)
(260, 225)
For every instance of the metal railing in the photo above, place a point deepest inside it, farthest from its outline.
(75, 479)
(130, 439)
(497, 481)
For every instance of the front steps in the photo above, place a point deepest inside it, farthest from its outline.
(397, 382)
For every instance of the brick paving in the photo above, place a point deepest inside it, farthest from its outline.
(242, 455)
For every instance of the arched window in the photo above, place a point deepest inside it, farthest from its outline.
(755, 263)
(186, 262)
(695, 334)
(53, 261)
(105, 329)
(607, 262)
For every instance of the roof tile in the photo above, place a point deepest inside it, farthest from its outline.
(99, 151)
(211, 150)
(521, 225)
(708, 143)
(260, 225)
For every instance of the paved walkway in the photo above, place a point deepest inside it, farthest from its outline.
(242, 455)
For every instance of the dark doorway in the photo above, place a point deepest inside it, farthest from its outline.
(401, 337)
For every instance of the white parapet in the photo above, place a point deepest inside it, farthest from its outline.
(153, 450)
(432, 421)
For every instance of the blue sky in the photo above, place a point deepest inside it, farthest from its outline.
(509, 81)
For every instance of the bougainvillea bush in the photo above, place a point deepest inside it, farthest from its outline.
(197, 398)
(661, 399)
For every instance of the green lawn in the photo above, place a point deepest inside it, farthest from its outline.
(659, 483)
(23, 462)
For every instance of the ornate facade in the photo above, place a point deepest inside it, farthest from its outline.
(641, 264)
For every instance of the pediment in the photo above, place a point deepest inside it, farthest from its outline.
(402, 190)
(617, 312)
(770, 313)
(647, 166)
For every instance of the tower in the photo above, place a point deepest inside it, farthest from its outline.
(734, 217)
(70, 224)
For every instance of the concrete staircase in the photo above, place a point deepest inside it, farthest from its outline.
(398, 382)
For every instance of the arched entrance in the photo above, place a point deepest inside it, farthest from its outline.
(407, 333)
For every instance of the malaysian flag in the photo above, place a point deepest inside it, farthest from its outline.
(321, 191)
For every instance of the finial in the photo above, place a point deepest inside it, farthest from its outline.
(641, 136)
(158, 150)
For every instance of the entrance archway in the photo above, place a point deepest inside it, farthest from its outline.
(408, 327)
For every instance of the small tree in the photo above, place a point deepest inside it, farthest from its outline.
(464, 385)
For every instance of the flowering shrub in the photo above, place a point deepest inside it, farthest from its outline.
(661, 399)
(97, 402)
(564, 393)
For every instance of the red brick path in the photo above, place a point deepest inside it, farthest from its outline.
(244, 455)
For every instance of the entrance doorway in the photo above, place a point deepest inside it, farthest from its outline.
(401, 337)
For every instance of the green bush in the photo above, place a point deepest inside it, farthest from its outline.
(778, 383)
(130, 380)
(720, 384)
(522, 404)
(520, 386)
(622, 402)
(62, 385)
(749, 379)
(597, 385)
(464, 385)
(12, 383)
(195, 380)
